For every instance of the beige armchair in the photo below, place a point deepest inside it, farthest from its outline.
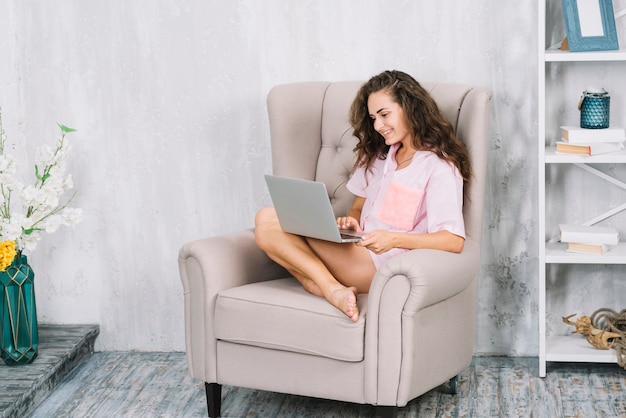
(249, 324)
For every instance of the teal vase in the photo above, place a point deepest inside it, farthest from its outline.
(19, 339)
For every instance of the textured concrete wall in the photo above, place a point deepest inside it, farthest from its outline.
(169, 102)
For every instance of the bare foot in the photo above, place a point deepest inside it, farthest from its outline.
(344, 299)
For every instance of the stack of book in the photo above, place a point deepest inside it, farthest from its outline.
(589, 239)
(583, 141)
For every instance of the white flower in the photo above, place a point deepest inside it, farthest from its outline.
(12, 229)
(53, 223)
(29, 242)
(8, 165)
(57, 170)
(49, 197)
(43, 207)
(68, 183)
(7, 179)
(30, 195)
(64, 151)
(44, 156)
(72, 216)
(8, 232)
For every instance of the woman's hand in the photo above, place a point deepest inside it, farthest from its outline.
(349, 223)
(378, 241)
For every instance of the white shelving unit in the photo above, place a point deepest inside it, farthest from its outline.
(573, 348)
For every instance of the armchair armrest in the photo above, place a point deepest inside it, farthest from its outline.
(229, 260)
(433, 275)
(402, 287)
(206, 267)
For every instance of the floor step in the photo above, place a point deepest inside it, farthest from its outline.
(61, 349)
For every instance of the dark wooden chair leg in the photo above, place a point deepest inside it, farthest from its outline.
(386, 411)
(454, 382)
(213, 399)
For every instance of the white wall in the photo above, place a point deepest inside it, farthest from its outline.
(169, 102)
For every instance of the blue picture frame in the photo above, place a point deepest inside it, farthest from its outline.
(601, 39)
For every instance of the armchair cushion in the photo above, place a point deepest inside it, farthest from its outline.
(281, 315)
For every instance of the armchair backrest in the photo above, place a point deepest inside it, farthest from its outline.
(311, 136)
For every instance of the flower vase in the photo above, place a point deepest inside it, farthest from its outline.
(19, 339)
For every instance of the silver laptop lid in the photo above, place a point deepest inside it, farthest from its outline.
(303, 208)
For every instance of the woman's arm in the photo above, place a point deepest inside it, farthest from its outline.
(357, 207)
(381, 241)
(441, 240)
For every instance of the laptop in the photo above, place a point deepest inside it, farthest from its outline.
(303, 208)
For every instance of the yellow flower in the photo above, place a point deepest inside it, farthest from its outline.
(7, 254)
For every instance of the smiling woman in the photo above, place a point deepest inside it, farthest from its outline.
(408, 194)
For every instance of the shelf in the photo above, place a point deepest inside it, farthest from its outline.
(556, 254)
(608, 158)
(556, 55)
(575, 349)
(553, 89)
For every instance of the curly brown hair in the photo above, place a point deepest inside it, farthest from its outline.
(431, 130)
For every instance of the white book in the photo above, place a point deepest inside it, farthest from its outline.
(575, 247)
(596, 235)
(577, 135)
(589, 149)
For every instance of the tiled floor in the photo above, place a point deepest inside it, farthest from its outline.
(158, 385)
(136, 384)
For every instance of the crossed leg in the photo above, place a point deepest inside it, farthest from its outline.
(337, 272)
